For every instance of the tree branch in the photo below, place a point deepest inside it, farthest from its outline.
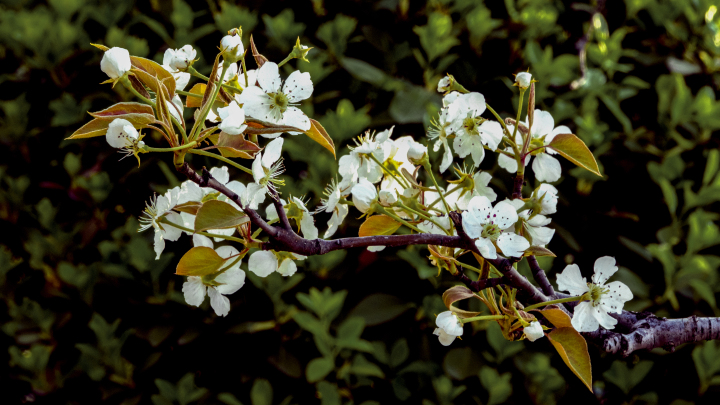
(634, 331)
(540, 276)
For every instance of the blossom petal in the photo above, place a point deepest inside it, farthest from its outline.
(272, 153)
(200, 240)
(231, 281)
(293, 117)
(562, 129)
(170, 232)
(218, 302)
(298, 86)
(543, 124)
(534, 331)
(491, 133)
(268, 77)
(616, 297)
(307, 226)
(506, 162)
(503, 215)
(572, 281)
(194, 291)
(444, 338)
(263, 263)
(604, 268)
(583, 319)
(287, 268)
(603, 318)
(450, 323)
(257, 168)
(512, 244)
(546, 168)
(486, 248)
(220, 174)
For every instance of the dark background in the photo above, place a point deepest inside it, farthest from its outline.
(88, 315)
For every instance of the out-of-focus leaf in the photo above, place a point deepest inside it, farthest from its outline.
(318, 368)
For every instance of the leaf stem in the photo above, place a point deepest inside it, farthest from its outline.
(483, 318)
(220, 158)
(559, 301)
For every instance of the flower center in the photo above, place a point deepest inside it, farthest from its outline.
(280, 101)
(538, 144)
(471, 126)
(491, 231)
(595, 292)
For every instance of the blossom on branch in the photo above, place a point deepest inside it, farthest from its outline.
(600, 299)
(230, 279)
(267, 166)
(487, 224)
(233, 119)
(448, 327)
(158, 212)
(116, 62)
(268, 102)
(534, 331)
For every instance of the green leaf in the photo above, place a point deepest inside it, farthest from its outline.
(215, 214)
(261, 392)
(572, 347)
(399, 352)
(626, 378)
(199, 261)
(318, 368)
(308, 322)
(712, 166)
(497, 385)
(378, 225)
(574, 149)
(361, 366)
(379, 308)
(538, 251)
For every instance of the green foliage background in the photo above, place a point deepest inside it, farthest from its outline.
(88, 315)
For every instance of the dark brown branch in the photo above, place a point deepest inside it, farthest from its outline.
(282, 215)
(517, 186)
(634, 331)
(540, 276)
(480, 285)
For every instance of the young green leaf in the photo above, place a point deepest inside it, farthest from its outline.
(574, 149)
(215, 214)
(199, 261)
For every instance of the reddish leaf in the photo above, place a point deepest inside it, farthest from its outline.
(557, 317)
(457, 293)
(119, 109)
(236, 146)
(198, 89)
(259, 59)
(318, 134)
(155, 70)
(99, 126)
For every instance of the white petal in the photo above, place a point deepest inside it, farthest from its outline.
(506, 162)
(200, 240)
(572, 281)
(257, 104)
(231, 281)
(218, 302)
(170, 232)
(272, 152)
(293, 117)
(540, 235)
(503, 215)
(337, 218)
(618, 295)
(603, 318)
(263, 263)
(375, 248)
(444, 338)
(486, 248)
(491, 133)
(225, 232)
(546, 168)
(450, 323)
(287, 268)
(534, 331)
(257, 168)
(583, 319)
(447, 157)
(307, 225)
(194, 291)
(298, 86)
(550, 199)
(220, 174)
(604, 268)
(236, 187)
(269, 78)
(512, 244)
(543, 124)
(482, 179)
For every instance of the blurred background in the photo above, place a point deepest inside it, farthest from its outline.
(88, 315)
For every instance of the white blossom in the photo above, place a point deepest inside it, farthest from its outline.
(121, 134)
(448, 327)
(472, 131)
(331, 204)
(523, 79)
(440, 130)
(232, 48)
(156, 212)
(534, 331)
(602, 298)
(266, 167)
(363, 195)
(546, 196)
(179, 59)
(233, 119)
(268, 102)
(265, 262)
(116, 62)
(307, 223)
(226, 283)
(461, 197)
(443, 84)
(487, 223)
(535, 225)
(416, 151)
